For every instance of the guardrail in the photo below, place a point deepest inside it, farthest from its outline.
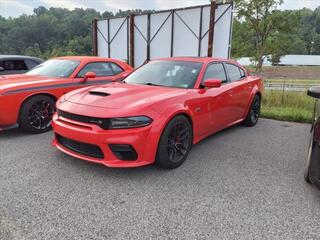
(290, 86)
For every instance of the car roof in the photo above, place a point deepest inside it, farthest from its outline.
(86, 58)
(198, 59)
(19, 57)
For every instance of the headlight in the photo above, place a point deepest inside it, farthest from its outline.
(127, 122)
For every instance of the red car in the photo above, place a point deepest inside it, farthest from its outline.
(157, 113)
(28, 100)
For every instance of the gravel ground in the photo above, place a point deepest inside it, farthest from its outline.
(242, 183)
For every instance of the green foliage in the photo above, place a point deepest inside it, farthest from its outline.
(52, 32)
(275, 33)
(264, 19)
(258, 29)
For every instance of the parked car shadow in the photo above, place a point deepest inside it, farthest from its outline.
(13, 133)
(99, 170)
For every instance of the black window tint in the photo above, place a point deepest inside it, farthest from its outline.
(116, 68)
(215, 71)
(234, 72)
(30, 63)
(14, 65)
(101, 69)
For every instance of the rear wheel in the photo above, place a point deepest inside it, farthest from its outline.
(36, 114)
(254, 112)
(175, 143)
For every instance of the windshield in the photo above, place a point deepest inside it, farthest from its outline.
(181, 74)
(55, 68)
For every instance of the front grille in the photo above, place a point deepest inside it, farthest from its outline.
(101, 122)
(80, 147)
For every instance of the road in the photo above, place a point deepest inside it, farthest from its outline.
(242, 183)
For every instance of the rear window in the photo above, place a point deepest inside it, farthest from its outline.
(116, 68)
(234, 72)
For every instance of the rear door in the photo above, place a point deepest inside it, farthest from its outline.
(239, 92)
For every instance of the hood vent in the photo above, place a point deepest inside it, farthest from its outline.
(101, 94)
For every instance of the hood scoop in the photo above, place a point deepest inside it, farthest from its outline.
(101, 94)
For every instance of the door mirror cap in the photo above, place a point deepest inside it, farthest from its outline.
(213, 83)
(1, 69)
(314, 92)
(89, 75)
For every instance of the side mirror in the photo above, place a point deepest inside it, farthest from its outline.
(89, 75)
(213, 83)
(1, 69)
(314, 92)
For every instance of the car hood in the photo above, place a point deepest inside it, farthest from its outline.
(122, 95)
(14, 81)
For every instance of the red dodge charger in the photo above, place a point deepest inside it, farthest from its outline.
(28, 100)
(157, 113)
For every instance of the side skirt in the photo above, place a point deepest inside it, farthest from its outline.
(4, 128)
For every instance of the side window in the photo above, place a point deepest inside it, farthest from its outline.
(234, 72)
(30, 63)
(14, 65)
(215, 71)
(116, 68)
(242, 72)
(102, 69)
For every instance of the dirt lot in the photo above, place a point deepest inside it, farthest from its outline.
(289, 72)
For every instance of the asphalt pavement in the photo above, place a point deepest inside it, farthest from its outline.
(242, 183)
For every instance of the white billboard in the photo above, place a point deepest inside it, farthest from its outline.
(194, 31)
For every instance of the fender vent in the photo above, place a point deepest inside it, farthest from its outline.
(102, 94)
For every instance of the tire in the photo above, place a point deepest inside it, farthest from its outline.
(175, 143)
(254, 112)
(307, 167)
(36, 114)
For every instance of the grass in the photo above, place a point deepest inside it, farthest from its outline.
(287, 106)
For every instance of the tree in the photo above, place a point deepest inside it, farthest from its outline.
(264, 18)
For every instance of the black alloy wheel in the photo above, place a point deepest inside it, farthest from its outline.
(175, 143)
(254, 112)
(36, 114)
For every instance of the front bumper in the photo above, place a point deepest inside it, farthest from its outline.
(142, 140)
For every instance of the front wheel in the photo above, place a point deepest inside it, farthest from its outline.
(36, 114)
(175, 143)
(254, 112)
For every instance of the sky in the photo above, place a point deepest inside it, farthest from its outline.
(14, 8)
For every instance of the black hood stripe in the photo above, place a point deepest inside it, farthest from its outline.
(97, 82)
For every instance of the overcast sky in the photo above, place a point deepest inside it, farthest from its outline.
(14, 8)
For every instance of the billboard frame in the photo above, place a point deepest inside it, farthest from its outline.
(172, 13)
